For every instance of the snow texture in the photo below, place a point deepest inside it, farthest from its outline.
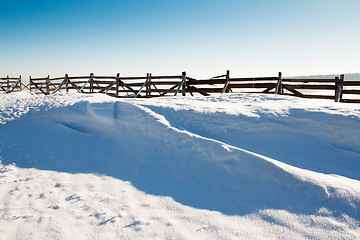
(231, 166)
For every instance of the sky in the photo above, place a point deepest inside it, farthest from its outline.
(202, 37)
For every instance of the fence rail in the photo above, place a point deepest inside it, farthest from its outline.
(11, 84)
(157, 86)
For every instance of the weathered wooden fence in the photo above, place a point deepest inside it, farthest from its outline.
(157, 86)
(9, 84)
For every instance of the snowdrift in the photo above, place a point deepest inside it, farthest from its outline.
(132, 143)
(196, 158)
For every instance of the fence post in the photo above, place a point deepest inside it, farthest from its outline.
(30, 83)
(184, 83)
(148, 84)
(20, 83)
(8, 83)
(66, 82)
(227, 82)
(91, 82)
(342, 77)
(117, 84)
(339, 88)
(278, 84)
(48, 85)
(336, 98)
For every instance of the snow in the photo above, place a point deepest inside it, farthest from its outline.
(232, 166)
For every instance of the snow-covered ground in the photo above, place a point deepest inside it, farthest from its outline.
(232, 166)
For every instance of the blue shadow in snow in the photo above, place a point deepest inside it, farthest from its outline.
(126, 142)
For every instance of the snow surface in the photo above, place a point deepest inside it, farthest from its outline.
(231, 166)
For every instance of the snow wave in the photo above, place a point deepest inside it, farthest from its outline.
(133, 143)
(317, 141)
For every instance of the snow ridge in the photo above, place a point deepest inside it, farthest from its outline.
(98, 165)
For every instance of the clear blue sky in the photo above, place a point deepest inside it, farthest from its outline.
(202, 37)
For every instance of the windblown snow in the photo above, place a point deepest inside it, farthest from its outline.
(232, 166)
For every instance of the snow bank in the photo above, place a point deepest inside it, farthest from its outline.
(317, 135)
(101, 165)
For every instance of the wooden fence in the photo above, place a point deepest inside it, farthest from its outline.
(157, 86)
(9, 84)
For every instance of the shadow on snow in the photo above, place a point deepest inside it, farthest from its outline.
(124, 141)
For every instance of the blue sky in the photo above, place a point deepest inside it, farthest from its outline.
(204, 38)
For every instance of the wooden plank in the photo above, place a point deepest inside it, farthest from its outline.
(190, 91)
(38, 79)
(252, 85)
(191, 79)
(269, 89)
(138, 93)
(10, 78)
(207, 81)
(13, 88)
(127, 86)
(80, 82)
(223, 81)
(104, 77)
(194, 89)
(161, 83)
(24, 86)
(304, 96)
(211, 90)
(351, 91)
(351, 83)
(165, 91)
(138, 84)
(290, 89)
(159, 90)
(55, 84)
(132, 78)
(319, 96)
(350, 100)
(57, 78)
(78, 77)
(166, 77)
(254, 79)
(319, 87)
(52, 86)
(38, 88)
(154, 86)
(84, 83)
(75, 86)
(97, 84)
(308, 80)
(103, 82)
(60, 85)
(219, 76)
